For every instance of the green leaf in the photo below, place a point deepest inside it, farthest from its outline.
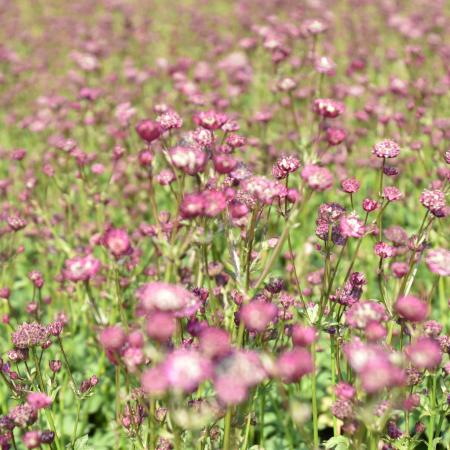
(338, 443)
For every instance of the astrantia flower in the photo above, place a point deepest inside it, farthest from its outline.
(370, 205)
(211, 120)
(327, 107)
(399, 269)
(16, 222)
(392, 194)
(386, 149)
(112, 338)
(412, 308)
(192, 205)
(383, 250)
(344, 391)
(434, 201)
(335, 136)
(29, 335)
(361, 314)
(23, 415)
(186, 369)
(169, 120)
(303, 336)
(191, 160)
(214, 202)
(425, 353)
(318, 178)
(154, 381)
(38, 400)
(263, 189)
(342, 409)
(161, 326)
(81, 268)
(350, 185)
(244, 365)
(163, 296)
(257, 314)
(148, 130)
(214, 342)
(117, 242)
(230, 390)
(438, 261)
(293, 364)
(351, 226)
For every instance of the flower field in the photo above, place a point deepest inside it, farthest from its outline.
(224, 224)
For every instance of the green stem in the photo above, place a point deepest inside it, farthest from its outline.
(430, 429)
(314, 399)
(227, 430)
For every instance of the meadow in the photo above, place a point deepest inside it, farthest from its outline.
(224, 224)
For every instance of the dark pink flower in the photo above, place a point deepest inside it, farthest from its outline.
(327, 107)
(412, 308)
(148, 130)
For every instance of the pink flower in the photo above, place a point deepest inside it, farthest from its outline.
(412, 308)
(191, 160)
(425, 353)
(327, 107)
(361, 314)
(384, 250)
(81, 268)
(38, 400)
(438, 261)
(434, 201)
(257, 314)
(211, 120)
(154, 381)
(214, 342)
(386, 149)
(392, 194)
(318, 178)
(345, 391)
(148, 130)
(335, 136)
(117, 242)
(161, 326)
(303, 336)
(350, 185)
(112, 338)
(351, 226)
(161, 296)
(230, 390)
(294, 364)
(169, 120)
(186, 369)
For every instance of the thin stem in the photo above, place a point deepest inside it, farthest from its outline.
(227, 430)
(314, 399)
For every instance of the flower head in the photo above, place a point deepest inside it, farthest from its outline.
(386, 149)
